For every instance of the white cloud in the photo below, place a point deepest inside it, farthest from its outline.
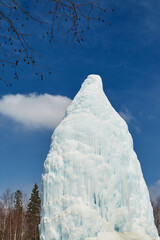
(126, 115)
(155, 190)
(35, 111)
(130, 119)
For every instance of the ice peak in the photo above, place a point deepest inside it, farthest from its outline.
(90, 98)
(93, 81)
(94, 78)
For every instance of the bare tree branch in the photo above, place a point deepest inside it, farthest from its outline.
(57, 18)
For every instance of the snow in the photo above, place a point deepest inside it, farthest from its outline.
(92, 185)
(119, 236)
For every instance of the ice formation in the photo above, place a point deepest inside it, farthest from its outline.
(92, 186)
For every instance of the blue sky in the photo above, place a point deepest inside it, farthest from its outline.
(127, 57)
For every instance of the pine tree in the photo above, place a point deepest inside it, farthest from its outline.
(18, 216)
(18, 200)
(33, 214)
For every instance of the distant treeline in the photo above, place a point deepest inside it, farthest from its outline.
(156, 212)
(20, 217)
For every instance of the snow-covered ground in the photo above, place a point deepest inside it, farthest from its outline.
(120, 236)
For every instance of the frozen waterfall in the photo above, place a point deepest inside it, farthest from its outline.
(92, 185)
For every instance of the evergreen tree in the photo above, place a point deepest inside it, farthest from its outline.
(33, 214)
(18, 200)
(18, 223)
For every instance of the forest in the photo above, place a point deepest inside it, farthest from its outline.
(20, 216)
